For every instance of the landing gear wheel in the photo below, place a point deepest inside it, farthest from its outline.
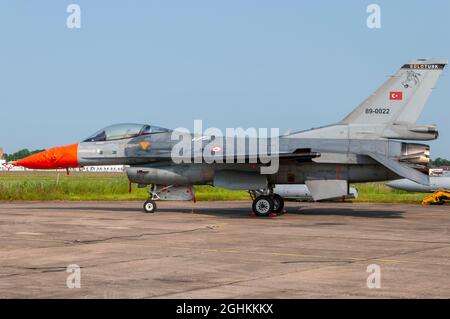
(150, 206)
(263, 206)
(278, 203)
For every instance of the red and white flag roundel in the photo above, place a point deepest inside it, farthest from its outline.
(216, 149)
(396, 96)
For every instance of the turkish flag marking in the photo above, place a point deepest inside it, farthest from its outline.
(396, 96)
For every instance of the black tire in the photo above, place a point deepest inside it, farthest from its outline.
(263, 206)
(278, 203)
(150, 206)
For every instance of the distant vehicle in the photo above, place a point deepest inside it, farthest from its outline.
(439, 172)
(436, 183)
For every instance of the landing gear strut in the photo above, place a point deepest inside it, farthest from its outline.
(150, 203)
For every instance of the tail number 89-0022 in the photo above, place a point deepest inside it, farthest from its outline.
(377, 111)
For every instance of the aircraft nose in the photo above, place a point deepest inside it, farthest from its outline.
(56, 157)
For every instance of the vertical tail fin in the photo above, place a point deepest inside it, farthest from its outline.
(401, 99)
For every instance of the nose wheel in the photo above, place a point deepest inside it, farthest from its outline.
(150, 206)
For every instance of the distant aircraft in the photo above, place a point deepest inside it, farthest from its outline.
(436, 184)
(363, 147)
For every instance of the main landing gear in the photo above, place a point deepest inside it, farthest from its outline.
(266, 205)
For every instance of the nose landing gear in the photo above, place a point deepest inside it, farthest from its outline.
(169, 192)
(150, 206)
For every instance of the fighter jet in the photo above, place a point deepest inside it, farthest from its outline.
(367, 145)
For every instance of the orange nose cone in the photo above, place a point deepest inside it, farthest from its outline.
(57, 157)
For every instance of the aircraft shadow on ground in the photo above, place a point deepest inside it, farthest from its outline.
(240, 212)
(89, 208)
(364, 213)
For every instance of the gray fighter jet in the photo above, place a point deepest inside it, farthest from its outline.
(365, 146)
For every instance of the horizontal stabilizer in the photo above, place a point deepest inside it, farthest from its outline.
(401, 169)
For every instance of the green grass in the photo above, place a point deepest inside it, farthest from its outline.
(114, 186)
(380, 193)
(88, 186)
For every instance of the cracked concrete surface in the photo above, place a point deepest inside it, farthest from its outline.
(216, 250)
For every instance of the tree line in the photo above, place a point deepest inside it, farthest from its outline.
(440, 162)
(20, 154)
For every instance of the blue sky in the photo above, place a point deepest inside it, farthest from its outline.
(286, 64)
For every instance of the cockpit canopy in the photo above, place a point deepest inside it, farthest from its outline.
(121, 131)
